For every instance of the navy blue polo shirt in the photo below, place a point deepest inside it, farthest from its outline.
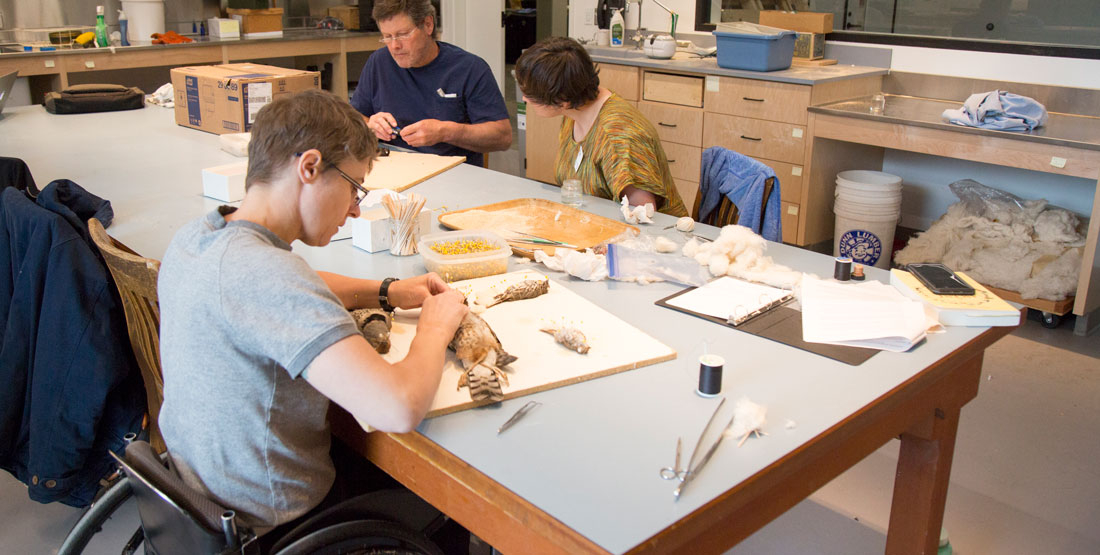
(455, 86)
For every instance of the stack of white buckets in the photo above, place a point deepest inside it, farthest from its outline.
(867, 207)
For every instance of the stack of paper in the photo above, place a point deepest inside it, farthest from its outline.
(983, 308)
(871, 314)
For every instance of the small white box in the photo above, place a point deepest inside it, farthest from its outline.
(225, 183)
(371, 230)
(224, 28)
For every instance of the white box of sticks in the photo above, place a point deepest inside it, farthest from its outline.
(371, 230)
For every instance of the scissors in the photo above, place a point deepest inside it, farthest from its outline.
(674, 472)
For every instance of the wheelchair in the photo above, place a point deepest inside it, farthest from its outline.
(178, 519)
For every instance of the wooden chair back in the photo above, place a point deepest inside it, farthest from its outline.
(727, 213)
(136, 279)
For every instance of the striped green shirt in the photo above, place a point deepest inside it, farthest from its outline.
(620, 150)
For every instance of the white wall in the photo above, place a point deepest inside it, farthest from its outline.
(926, 177)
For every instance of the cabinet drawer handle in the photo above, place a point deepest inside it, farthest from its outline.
(753, 99)
(663, 124)
(750, 138)
(672, 161)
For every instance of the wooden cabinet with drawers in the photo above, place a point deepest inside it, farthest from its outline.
(692, 112)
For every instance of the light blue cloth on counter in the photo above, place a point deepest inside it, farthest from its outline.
(998, 110)
(741, 179)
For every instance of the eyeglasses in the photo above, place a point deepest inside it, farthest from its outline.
(359, 191)
(399, 36)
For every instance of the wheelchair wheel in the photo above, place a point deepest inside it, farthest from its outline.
(91, 522)
(366, 537)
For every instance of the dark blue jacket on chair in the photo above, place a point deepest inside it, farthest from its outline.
(71, 387)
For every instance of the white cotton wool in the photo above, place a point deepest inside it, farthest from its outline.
(718, 264)
(685, 223)
(1058, 226)
(702, 257)
(664, 244)
(690, 248)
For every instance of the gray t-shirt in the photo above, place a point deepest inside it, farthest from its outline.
(241, 318)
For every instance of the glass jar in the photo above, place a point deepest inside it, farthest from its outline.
(571, 193)
(878, 104)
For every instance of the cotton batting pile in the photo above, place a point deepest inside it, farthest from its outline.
(739, 253)
(1000, 240)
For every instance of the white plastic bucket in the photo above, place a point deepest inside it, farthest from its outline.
(867, 207)
(145, 18)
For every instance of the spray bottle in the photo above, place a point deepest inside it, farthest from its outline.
(100, 28)
(123, 23)
(617, 28)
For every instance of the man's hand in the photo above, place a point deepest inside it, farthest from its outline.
(412, 292)
(427, 132)
(382, 124)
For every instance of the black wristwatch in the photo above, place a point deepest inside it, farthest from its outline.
(384, 294)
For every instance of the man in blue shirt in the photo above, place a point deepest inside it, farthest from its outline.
(429, 95)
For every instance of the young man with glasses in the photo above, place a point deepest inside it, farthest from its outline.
(429, 95)
(255, 343)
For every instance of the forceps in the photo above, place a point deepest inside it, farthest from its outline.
(682, 474)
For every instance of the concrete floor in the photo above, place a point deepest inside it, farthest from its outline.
(1024, 479)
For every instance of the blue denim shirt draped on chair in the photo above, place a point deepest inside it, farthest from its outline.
(741, 179)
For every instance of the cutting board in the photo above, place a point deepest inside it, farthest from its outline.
(401, 170)
(616, 346)
(539, 217)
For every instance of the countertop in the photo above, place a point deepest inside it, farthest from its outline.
(1060, 129)
(709, 66)
(288, 35)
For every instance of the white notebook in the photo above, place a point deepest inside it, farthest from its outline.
(731, 299)
(870, 314)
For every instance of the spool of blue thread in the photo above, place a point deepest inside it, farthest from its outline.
(710, 375)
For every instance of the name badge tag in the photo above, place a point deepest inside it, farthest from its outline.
(577, 162)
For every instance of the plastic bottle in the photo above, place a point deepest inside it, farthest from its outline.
(123, 23)
(100, 28)
(617, 28)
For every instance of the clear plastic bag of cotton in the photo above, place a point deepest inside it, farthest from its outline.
(999, 239)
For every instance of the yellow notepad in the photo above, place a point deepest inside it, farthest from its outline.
(983, 308)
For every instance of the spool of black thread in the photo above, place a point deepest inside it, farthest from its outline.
(710, 375)
(842, 271)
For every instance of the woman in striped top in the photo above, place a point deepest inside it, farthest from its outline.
(604, 141)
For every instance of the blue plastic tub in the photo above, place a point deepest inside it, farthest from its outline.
(755, 52)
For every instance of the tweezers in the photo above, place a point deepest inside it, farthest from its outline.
(695, 451)
(518, 415)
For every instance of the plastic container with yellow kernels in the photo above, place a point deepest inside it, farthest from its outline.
(467, 254)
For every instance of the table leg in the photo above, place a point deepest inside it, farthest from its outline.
(924, 469)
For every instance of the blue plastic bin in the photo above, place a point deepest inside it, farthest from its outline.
(755, 52)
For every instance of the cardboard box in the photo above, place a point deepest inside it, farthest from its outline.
(803, 22)
(225, 98)
(809, 46)
(225, 183)
(259, 23)
(347, 14)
